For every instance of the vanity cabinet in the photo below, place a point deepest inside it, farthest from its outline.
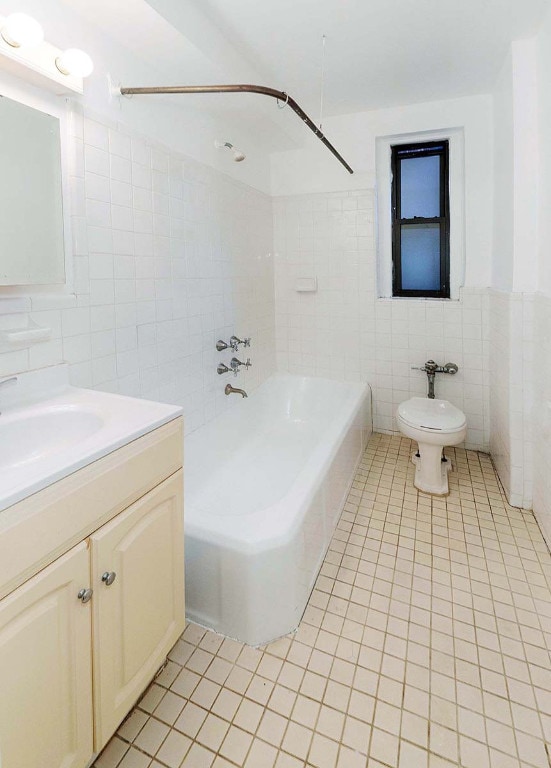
(81, 638)
(46, 668)
(137, 606)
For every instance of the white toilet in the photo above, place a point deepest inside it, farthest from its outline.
(433, 424)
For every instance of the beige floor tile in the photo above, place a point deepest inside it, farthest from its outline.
(221, 762)
(174, 749)
(236, 745)
(297, 740)
(191, 720)
(226, 704)
(429, 628)
(212, 732)
(248, 715)
(305, 711)
(133, 725)
(134, 759)
(112, 754)
(272, 728)
(205, 693)
(330, 723)
(260, 690)
(349, 758)
(151, 736)
(261, 755)
(288, 761)
(198, 757)
(323, 752)
(169, 708)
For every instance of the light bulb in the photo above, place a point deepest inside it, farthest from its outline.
(21, 30)
(74, 62)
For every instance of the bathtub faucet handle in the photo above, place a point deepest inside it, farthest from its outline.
(235, 342)
(236, 364)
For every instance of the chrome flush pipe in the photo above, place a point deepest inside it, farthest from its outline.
(431, 369)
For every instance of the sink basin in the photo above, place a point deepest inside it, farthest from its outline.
(27, 438)
(49, 429)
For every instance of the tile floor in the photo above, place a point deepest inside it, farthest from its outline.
(425, 644)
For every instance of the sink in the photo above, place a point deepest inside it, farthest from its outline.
(49, 429)
(29, 437)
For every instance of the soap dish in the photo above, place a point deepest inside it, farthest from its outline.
(24, 336)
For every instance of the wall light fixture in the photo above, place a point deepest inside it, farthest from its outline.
(22, 31)
(25, 53)
(75, 62)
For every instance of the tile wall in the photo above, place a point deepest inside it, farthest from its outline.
(542, 413)
(169, 256)
(343, 330)
(511, 385)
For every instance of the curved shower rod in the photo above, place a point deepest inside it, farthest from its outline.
(279, 95)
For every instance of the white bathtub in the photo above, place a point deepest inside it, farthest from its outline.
(264, 486)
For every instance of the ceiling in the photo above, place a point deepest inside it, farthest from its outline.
(379, 53)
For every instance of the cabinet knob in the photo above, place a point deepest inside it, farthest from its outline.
(85, 595)
(108, 578)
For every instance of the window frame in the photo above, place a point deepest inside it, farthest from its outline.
(413, 150)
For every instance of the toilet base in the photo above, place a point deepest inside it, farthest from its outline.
(431, 473)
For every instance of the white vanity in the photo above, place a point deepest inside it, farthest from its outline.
(91, 563)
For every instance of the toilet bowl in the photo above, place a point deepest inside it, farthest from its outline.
(433, 424)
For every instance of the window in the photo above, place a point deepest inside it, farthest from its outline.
(421, 220)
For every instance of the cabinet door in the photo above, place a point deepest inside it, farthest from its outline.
(46, 668)
(139, 616)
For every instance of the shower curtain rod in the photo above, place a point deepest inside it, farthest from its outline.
(279, 95)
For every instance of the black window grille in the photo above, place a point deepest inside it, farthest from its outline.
(421, 220)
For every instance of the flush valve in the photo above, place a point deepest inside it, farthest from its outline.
(431, 369)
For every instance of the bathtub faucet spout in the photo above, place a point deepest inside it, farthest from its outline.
(229, 390)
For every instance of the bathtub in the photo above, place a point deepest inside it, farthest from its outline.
(264, 486)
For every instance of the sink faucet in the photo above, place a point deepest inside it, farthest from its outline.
(431, 369)
(229, 390)
(9, 380)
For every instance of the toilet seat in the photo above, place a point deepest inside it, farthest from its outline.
(432, 415)
(433, 424)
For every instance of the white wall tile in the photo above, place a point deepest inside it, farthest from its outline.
(158, 289)
(344, 331)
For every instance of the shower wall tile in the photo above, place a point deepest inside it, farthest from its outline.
(169, 256)
(344, 331)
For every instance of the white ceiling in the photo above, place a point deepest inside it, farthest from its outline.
(378, 52)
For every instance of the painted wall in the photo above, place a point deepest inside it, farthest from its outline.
(514, 271)
(503, 165)
(542, 309)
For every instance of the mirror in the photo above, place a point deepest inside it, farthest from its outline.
(31, 209)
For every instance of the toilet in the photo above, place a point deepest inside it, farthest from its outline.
(433, 424)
